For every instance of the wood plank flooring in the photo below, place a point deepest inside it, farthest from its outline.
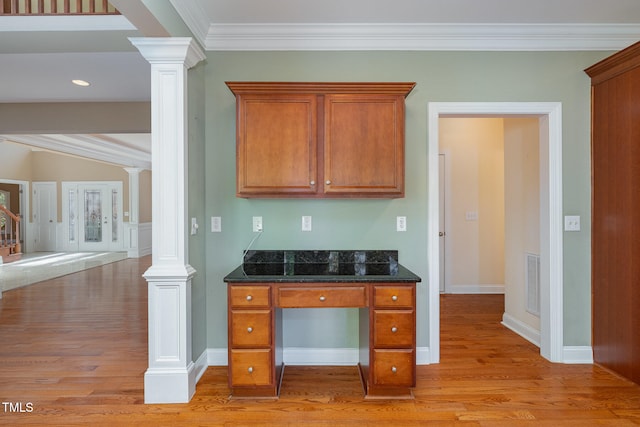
(73, 351)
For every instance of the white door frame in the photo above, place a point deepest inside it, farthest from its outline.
(551, 244)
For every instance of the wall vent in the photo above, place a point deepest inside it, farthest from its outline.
(532, 283)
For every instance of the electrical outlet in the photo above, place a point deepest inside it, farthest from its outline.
(572, 223)
(306, 223)
(257, 224)
(401, 223)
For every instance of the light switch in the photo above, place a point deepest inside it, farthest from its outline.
(216, 224)
(471, 215)
(401, 223)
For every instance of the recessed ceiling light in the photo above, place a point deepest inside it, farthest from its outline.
(80, 82)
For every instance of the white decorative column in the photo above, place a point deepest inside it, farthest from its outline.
(170, 377)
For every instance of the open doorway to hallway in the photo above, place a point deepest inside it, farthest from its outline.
(490, 213)
(551, 280)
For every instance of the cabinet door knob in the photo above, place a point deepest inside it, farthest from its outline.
(328, 182)
(394, 369)
(249, 297)
(250, 370)
(249, 329)
(394, 298)
(312, 183)
(394, 329)
(322, 298)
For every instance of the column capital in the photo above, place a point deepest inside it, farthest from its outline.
(163, 50)
(133, 171)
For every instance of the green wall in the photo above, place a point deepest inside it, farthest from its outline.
(196, 207)
(370, 224)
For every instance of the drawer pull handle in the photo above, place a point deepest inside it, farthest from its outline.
(393, 369)
(249, 297)
(250, 370)
(394, 298)
(394, 329)
(249, 329)
(322, 298)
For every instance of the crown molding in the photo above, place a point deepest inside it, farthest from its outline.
(421, 37)
(101, 148)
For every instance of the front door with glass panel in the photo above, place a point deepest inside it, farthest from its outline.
(95, 218)
(93, 215)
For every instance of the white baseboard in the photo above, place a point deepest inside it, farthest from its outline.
(570, 354)
(349, 356)
(201, 365)
(320, 356)
(475, 289)
(577, 355)
(217, 357)
(527, 332)
(309, 356)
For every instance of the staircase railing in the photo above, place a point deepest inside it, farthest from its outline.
(56, 7)
(9, 231)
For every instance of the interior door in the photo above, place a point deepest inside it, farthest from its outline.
(94, 217)
(45, 215)
(442, 234)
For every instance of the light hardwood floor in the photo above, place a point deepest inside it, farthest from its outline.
(73, 351)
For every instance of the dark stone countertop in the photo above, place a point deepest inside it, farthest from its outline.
(321, 266)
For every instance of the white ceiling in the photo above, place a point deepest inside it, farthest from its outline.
(40, 55)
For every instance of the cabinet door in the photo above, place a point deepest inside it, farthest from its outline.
(276, 144)
(364, 145)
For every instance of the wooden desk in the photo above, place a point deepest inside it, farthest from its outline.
(387, 362)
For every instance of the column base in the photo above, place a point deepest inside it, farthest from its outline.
(169, 385)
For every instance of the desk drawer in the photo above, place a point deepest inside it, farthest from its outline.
(394, 368)
(393, 328)
(338, 296)
(250, 296)
(250, 328)
(251, 368)
(393, 296)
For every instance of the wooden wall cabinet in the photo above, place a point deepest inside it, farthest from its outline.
(320, 140)
(615, 233)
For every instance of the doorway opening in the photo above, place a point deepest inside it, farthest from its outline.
(550, 158)
(489, 214)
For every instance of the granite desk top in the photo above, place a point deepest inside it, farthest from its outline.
(321, 266)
